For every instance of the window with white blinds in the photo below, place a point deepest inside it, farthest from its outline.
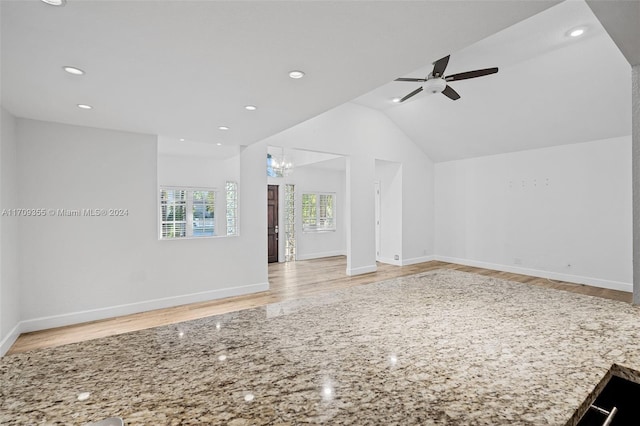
(173, 207)
(318, 212)
(187, 212)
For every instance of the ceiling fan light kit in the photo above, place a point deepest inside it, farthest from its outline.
(436, 83)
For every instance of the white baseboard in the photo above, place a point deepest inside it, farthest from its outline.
(404, 262)
(10, 339)
(53, 321)
(361, 270)
(389, 261)
(310, 256)
(577, 279)
(415, 260)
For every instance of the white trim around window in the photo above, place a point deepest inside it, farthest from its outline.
(186, 212)
(318, 211)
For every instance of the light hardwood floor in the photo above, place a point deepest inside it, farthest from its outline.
(288, 281)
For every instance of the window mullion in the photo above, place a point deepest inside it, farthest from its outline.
(189, 213)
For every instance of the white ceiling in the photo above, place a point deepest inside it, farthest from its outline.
(180, 69)
(551, 89)
(621, 20)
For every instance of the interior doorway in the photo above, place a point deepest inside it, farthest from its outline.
(388, 211)
(272, 223)
(376, 187)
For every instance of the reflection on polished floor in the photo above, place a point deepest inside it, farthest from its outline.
(438, 347)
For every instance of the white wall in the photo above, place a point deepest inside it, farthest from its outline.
(76, 269)
(537, 212)
(364, 135)
(312, 245)
(201, 172)
(9, 282)
(635, 135)
(181, 170)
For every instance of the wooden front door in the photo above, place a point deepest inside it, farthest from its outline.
(272, 223)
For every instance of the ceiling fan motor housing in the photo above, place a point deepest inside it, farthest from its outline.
(435, 85)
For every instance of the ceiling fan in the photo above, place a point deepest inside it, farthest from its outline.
(436, 83)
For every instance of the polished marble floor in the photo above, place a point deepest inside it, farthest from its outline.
(441, 347)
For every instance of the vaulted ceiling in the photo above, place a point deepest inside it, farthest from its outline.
(181, 69)
(551, 89)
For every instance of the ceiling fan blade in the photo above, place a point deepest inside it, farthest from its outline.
(415, 80)
(439, 66)
(415, 92)
(471, 74)
(450, 93)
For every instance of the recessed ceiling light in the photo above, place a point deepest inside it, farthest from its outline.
(181, 139)
(395, 100)
(55, 2)
(576, 32)
(219, 144)
(84, 106)
(296, 74)
(73, 70)
(251, 107)
(223, 128)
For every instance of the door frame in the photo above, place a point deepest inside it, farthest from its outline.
(377, 216)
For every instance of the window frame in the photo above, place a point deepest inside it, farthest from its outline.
(316, 228)
(236, 210)
(189, 205)
(290, 222)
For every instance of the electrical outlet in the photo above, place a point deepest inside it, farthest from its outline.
(517, 261)
(396, 257)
